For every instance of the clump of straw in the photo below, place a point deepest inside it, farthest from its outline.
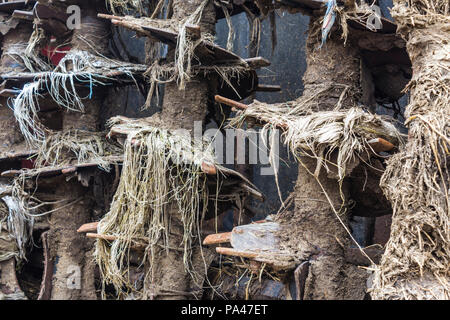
(161, 174)
(182, 69)
(76, 147)
(318, 134)
(361, 13)
(159, 73)
(77, 68)
(184, 52)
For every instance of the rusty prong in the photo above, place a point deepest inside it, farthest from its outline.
(101, 236)
(88, 227)
(255, 266)
(134, 244)
(217, 238)
(380, 145)
(268, 88)
(230, 103)
(69, 170)
(109, 16)
(258, 195)
(236, 253)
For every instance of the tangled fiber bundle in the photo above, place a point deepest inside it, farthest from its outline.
(159, 73)
(32, 61)
(162, 174)
(16, 224)
(182, 69)
(319, 134)
(416, 264)
(184, 52)
(362, 13)
(76, 69)
(76, 147)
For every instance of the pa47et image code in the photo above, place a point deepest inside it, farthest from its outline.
(219, 311)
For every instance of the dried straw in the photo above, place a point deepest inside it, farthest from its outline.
(76, 147)
(359, 13)
(310, 132)
(161, 174)
(182, 69)
(416, 262)
(319, 134)
(76, 68)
